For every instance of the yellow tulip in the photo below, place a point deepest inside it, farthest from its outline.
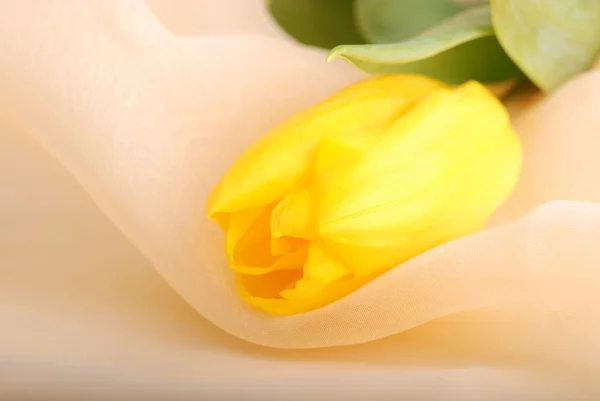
(378, 173)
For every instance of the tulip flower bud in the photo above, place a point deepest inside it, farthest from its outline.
(380, 172)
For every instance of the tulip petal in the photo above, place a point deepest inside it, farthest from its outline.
(305, 290)
(247, 242)
(280, 163)
(323, 266)
(249, 245)
(292, 260)
(301, 295)
(283, 245)
(436, 174)
(270, 285)
(317, 285)
(337, 154)
(295, 216)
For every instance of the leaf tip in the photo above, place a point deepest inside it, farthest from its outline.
(334, 53)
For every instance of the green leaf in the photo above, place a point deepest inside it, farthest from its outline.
(461, 48)
(389, 21)
(550, 40)
(322, 23)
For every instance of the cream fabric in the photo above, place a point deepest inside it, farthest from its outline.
(118, 116)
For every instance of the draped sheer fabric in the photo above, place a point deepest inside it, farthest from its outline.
(145, 107)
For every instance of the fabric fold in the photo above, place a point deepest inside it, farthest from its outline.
(147, 122)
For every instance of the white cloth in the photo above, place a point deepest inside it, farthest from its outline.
(144, 105)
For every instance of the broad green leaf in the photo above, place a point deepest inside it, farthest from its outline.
(390, 21)
(461, 48)
(550, 40)
(322, 23)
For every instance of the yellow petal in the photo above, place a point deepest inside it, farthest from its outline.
(304, 291)
(323, 266)
(283, 245)
(294, 260)
(247, 239)
(295, 216)
(435, 175)
(280, 163)
(335, 155)
(249, 249)
(321, 269)
(324, 279)
(263, 292)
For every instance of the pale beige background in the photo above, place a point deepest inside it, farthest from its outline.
(137, 111)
